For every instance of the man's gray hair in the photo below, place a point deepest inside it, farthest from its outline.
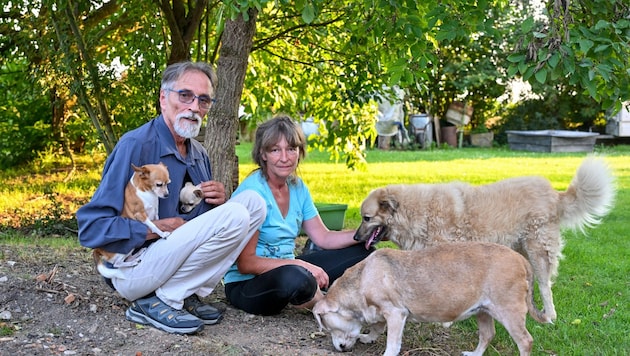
(173, 72)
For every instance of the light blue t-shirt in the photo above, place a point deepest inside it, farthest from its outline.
(277, 233)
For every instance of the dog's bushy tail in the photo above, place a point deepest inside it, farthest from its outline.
(589, 197)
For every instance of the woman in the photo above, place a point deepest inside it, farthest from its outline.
(267, 276)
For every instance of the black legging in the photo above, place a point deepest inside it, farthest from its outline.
(270, 292)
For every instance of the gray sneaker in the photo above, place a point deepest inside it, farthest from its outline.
(152, 311)
(207, 313)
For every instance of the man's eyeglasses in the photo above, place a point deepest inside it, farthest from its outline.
(187, 97)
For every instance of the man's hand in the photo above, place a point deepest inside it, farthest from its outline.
(213, 192)
(167, 224)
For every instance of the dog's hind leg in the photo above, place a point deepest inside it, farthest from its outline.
(485, 323)
(515, 326)
(544, 254)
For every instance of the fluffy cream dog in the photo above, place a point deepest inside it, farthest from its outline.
(524, 213)
(444, 284)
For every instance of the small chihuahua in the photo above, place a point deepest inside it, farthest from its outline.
(147, 185)
(189, 197)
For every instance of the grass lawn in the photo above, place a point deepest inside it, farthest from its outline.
(591, 292)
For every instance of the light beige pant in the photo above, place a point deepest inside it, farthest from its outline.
(194, 258)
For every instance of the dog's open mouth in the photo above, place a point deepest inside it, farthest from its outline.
(374, 237)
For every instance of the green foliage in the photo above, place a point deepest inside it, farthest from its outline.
(311, 58)
(26, 120)
(53, 220)
(588, 43)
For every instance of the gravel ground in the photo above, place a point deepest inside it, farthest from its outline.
(54, 303)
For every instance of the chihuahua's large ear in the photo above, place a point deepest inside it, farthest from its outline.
(323, 307)
(198, 193)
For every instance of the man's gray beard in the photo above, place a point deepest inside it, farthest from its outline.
(187, 129)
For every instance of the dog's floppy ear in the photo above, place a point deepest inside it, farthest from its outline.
(388, 203)
(322, 307)
(198, 192)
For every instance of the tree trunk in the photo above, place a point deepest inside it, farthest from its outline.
(222, 126)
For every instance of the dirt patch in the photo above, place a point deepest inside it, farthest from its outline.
(53, 303)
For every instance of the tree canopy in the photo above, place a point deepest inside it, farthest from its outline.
(98, 63)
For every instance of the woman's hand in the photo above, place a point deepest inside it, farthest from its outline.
(320, 275)
(213, 192)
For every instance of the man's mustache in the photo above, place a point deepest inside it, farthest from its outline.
(189, 115)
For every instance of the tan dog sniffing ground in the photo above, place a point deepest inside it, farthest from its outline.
(523, 213)
(444, 284)
(147, 185)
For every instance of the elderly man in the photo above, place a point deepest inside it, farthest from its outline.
(164, 278)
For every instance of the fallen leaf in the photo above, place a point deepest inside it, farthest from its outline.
(317, 334)
(610, 313)
(70, 298)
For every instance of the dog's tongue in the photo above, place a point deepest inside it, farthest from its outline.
(369, 242)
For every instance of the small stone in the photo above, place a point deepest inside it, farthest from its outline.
(5, 315)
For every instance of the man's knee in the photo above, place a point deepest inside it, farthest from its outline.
(253, 203)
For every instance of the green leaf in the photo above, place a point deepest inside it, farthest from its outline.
(601, 24)
(308, 13)
(512, 70)
(527, 25)
(601, 48)
(585, 45)
(522, 67)
(591, 88)
(516, 58)
(541, 75)
(554, 60)
(528, 73)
